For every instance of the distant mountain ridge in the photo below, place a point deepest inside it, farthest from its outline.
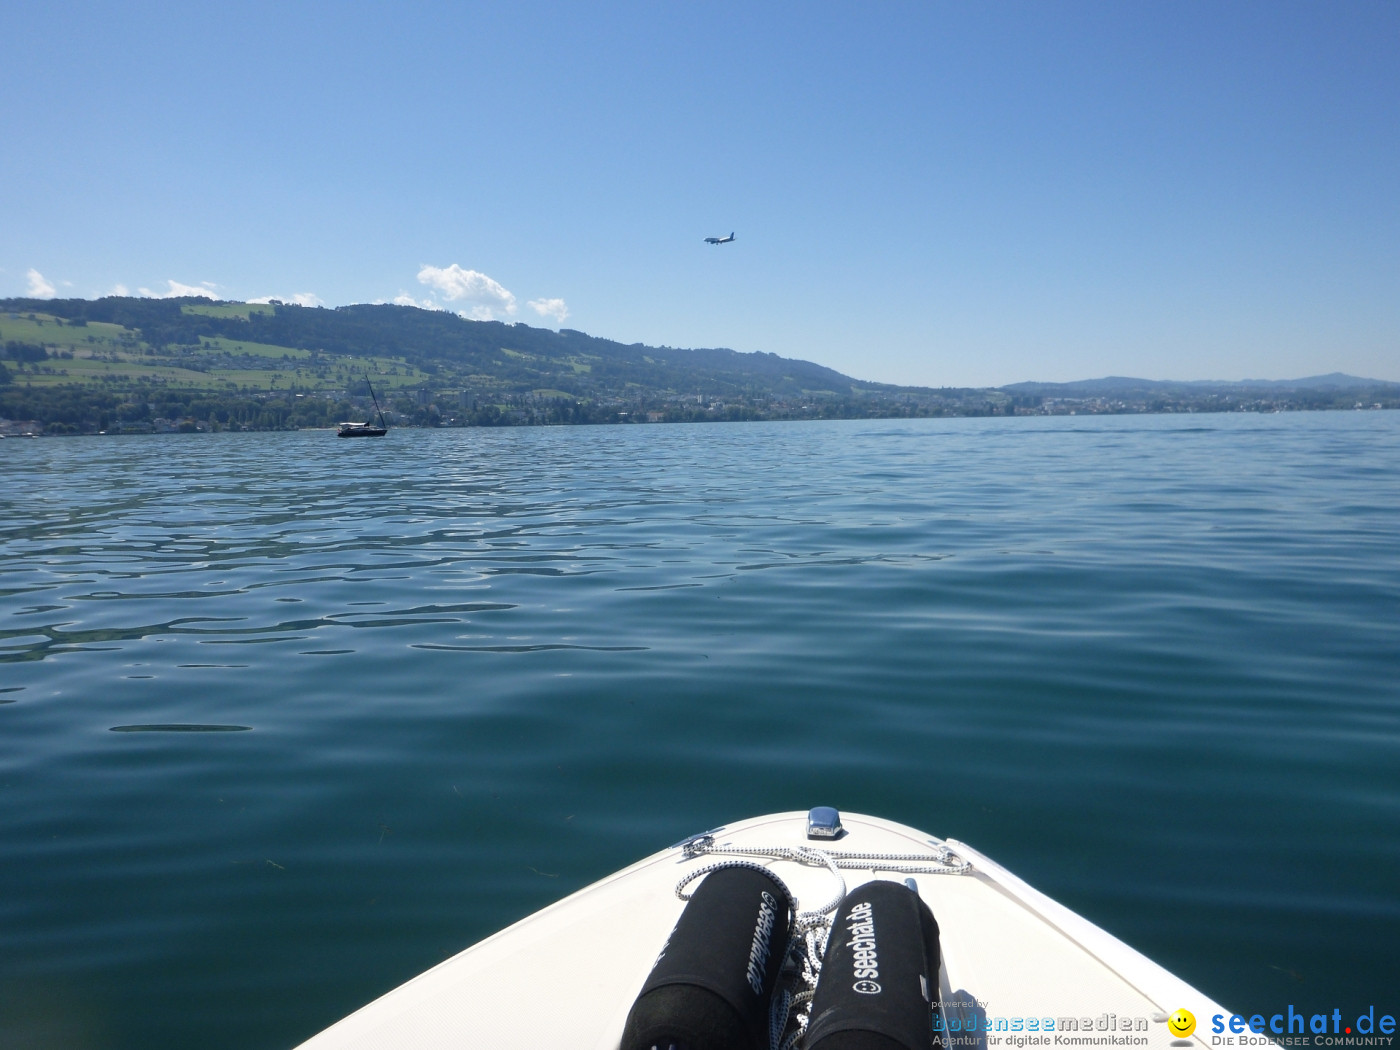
(1110, 386)
(521, 356)
(424, 336)
(128, 364)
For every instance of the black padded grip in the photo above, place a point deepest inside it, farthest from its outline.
(879, 976)
(713, 983)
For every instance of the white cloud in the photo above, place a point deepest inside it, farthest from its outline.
(554, 308)
(205, 289)
(119, 289)
(404, 299)
(38, 287)
(485, 296)
(300, 299)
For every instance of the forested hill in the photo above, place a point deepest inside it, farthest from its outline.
(434, 340)
(135, 364)
(124, 364)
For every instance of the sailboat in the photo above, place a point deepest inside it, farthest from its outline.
(366, 429)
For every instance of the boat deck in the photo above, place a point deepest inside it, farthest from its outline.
(1015, 962)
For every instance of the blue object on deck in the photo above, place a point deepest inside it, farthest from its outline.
(823, 822)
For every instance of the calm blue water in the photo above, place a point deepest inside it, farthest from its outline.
(1151, 664)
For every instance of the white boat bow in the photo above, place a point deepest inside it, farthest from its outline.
(1018, 968)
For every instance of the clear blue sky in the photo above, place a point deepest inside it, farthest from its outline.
(970, 193)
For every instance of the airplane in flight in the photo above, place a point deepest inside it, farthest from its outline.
(719, 240)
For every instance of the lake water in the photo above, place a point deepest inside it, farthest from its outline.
(1150, 664)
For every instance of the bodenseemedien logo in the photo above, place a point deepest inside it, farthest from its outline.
(1020, 1032)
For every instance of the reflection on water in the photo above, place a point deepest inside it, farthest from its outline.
(179, 727)
(1139, 662)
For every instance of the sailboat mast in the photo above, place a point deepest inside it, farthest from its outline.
(376, 402)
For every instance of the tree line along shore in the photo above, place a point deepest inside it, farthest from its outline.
(134, 365)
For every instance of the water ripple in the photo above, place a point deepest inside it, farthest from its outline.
(180, 727)
(1137, 659)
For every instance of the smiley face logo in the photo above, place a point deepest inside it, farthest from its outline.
(1182, 1023)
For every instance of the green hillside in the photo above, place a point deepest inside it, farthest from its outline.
(123, 363)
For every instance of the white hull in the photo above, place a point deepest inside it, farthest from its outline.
(567, 976)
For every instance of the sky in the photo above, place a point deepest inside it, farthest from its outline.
(925, 193)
